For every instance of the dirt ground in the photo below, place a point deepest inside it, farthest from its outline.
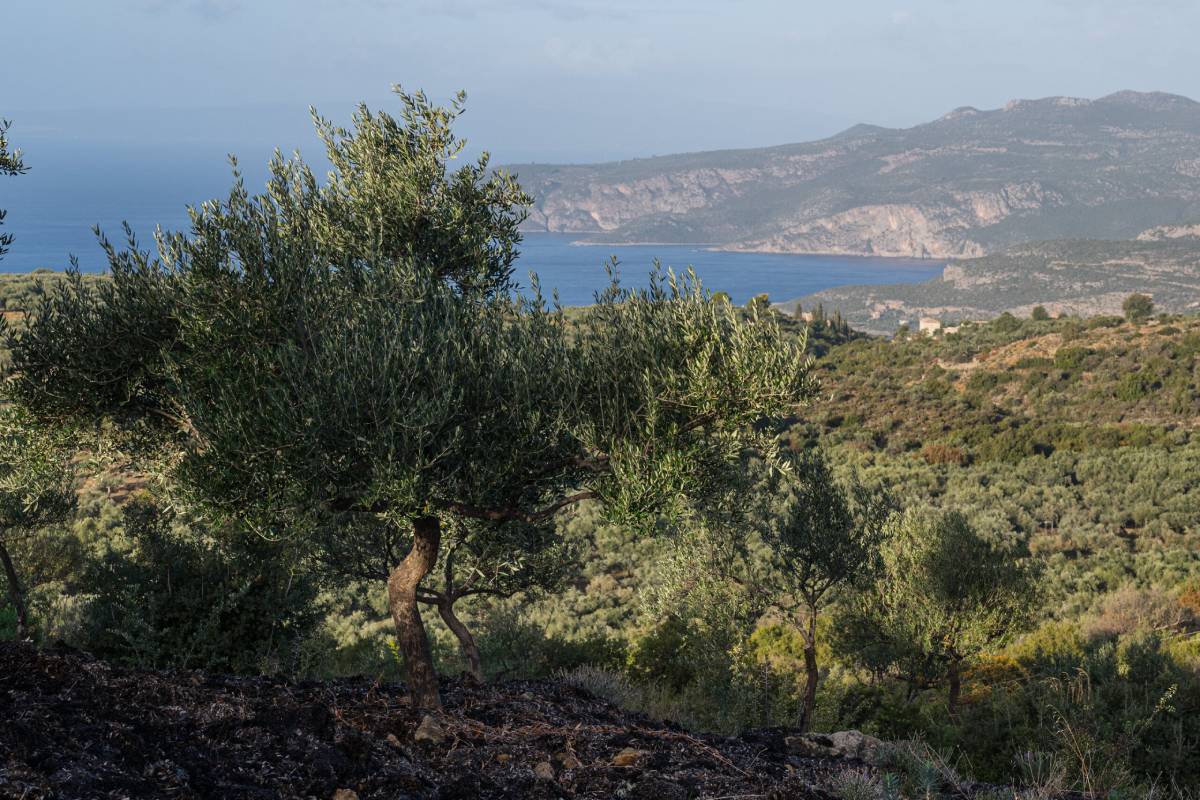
(75, 727)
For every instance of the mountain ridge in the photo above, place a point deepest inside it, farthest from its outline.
(969, 183)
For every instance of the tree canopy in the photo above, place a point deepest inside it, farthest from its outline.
(1137, 306)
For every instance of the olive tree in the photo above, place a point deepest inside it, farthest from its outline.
(797, 539)
(342, 355)
(945, 594)
(10, 164)
(824, 536)
(1137, 307)
(37, 489)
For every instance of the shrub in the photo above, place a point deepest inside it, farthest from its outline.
(1071, 358)
(1189, 597)
(1103, 322)
(1133, 386)
(943, 454)
(1006, 323)
(1130, 609)
(604, 683)
(1053, 648)
(513, 647)
(180, 600)
(983, 382)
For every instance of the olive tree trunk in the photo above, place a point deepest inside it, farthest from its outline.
(402, 602)
(15, 594)
(955, 677)
(466, 642)
(811, 672)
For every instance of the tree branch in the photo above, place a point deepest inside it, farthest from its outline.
(516, 514)
(355, 506)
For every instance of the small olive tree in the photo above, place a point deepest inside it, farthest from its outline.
(824, 536)
(10, 164)
(345, 355)
(37, 489)
(945, 594)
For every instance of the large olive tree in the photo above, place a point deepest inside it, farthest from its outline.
(335, 356)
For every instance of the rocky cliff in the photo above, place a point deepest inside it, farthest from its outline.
(967, 184)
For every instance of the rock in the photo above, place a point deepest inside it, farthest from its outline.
(628, 757)
(544, 771)
(393, 742)
(843, 744)
(430, 730)
(345, 794)
(568, 760)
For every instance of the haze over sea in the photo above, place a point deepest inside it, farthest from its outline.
(52, 209)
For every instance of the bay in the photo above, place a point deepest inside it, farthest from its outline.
(575, 271)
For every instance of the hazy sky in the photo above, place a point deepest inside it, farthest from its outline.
(567, 80)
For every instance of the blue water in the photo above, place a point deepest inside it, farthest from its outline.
(52, 209)
(577, 271)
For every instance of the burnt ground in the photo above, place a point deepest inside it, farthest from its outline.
(75, 727)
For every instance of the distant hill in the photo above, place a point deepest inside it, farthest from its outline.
(1083, 277)
(970, 183)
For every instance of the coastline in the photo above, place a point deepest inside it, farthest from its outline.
(716, 247)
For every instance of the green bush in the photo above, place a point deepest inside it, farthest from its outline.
(1134, 386)
(179, 599)
(1071, 358)
(513, 647)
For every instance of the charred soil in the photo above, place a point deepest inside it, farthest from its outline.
(76, 727)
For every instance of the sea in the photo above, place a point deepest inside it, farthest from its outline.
(53, 208)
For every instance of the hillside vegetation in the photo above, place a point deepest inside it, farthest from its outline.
(967, 184)
(1074, 441)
